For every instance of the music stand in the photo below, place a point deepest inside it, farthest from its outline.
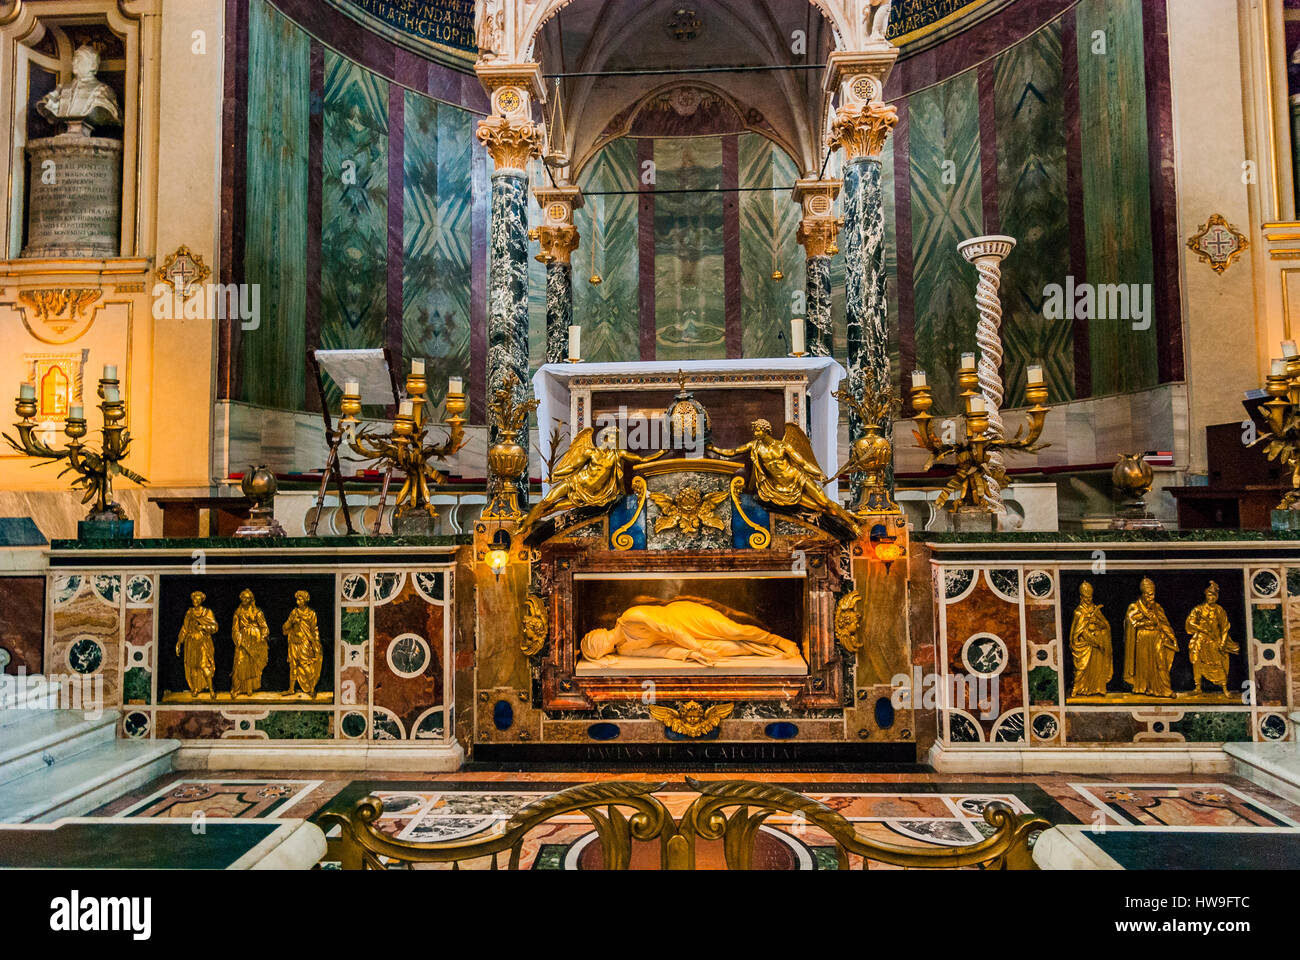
(374, 372)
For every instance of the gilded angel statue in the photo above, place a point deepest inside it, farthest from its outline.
(590, 474)
(786, 472)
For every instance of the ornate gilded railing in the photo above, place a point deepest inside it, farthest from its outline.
(360, 846)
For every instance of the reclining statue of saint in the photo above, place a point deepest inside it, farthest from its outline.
(684, 630)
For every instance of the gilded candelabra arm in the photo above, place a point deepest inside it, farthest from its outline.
(1026, 438)
(370, 446)
(922, 401)
(28, 444)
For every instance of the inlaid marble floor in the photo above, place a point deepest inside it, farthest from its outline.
(902, 808)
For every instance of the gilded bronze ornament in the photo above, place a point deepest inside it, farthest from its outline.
(1090, 647)
(1282, 416)
(848, 620)
(759, 537)
(590, 474)
(691, 719)
(872, 454)
(689, 510)
(624, 813)
(536, 625)
(1208, 645)
(248, 632)
(786, 472)
(1149, 645)
(507, 458)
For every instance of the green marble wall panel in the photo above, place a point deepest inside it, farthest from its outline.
(608, 312)
(1029, 109)
(769, 220)
(690, 314)
(436, 238)
(354, 215)
(275, 232)
(946, 198)
(1116, 185)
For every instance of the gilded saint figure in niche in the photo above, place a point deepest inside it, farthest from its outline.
(248, 630)
(1149, 645)
(303, 634)
(194, 643)
(1208, 644)
(1090, 646)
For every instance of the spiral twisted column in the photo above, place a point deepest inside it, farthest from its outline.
(987, 253)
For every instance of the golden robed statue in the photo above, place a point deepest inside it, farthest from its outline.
(786, 472)
(248, 630)
(684, 630)
(1090, 647)
(303, 634)
(588, 475)
(1149, 645)
(1209, 644)
(195, 643)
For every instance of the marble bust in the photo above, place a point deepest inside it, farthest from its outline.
(85, 102)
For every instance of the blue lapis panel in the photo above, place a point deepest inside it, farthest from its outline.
(740, 530)
(620, 515)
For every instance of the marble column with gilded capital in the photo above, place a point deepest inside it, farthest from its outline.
(512, 138)
(557, 238)
(860, 127)
(818, 229)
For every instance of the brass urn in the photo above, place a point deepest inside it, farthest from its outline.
(259, 486)
(506, 457)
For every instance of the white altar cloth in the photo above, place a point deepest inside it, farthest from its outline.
(821, 411)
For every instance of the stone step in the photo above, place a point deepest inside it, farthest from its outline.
(17, 699)
(46, 738)
(86, 781)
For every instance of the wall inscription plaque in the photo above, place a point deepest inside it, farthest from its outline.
(75, 197)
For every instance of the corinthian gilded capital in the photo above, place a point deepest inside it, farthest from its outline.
(511, 141)
(818, 235)
(862, 128)
(557, 242)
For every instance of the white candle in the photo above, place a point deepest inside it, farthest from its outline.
(76, 413)
(352, 388)
(1279, 368)
(918, 378)
(406, 409)
(968, 361)
(975, 405)
(27, 391)
(1035, 374)
(110, 371)
(455, 385)
(417, 368)
(796, 335)
(111, 395)
(575, 342)
(1288, 349)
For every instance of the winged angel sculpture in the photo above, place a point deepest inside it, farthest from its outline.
(590, 474)
(786, 472)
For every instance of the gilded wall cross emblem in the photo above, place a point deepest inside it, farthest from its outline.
(1218, 243)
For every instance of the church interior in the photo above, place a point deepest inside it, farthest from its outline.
(650, 434)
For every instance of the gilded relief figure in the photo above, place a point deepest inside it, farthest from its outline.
(684, 630)
(588, 475)
(303, 634)
(1209, 645)
(1149, 645)
(195, 643)
(786, 472)
(249, 631)
(1090, 647)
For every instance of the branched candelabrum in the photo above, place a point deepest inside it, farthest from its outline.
(404, 448)
(1282, 415)
(971, 457)
(872, 454)
(94, 470)
(507, 458)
